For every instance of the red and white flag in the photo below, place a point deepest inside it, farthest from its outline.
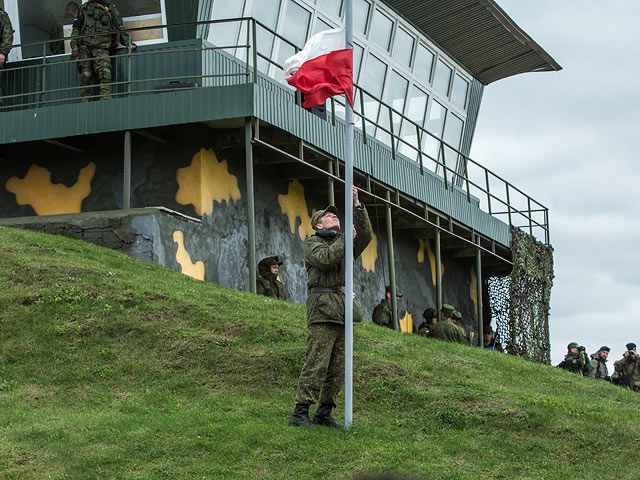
(322, 69)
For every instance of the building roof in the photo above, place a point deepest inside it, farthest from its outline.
(479, 35)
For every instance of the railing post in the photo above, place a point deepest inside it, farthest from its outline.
(255, 50)
(530, 214)
(330, 184)
(486, 176)
(419, 137)
(247, 49)
(466, 177)
(333, 112)
(393, 137)
(129, 67)
(508, 205)
(444, 166)
(44, 72)
(546, 223)
(364, 121)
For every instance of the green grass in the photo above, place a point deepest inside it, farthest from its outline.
(116, 368)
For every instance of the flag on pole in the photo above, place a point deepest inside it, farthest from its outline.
(322, 69)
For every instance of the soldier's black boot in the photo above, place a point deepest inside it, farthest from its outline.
(323, 416)
(300, 416)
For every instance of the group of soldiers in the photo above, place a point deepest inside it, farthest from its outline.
(626, 370)
(97, 30)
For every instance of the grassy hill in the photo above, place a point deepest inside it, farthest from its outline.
(115, 368)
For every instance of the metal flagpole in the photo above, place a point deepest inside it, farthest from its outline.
(348, 228)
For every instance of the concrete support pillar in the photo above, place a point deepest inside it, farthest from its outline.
(392, 265)
(126, 186)
(438, 269)
(251, 213)
(479, 291)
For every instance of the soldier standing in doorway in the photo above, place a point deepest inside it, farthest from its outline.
(101, 20)
(322, 375)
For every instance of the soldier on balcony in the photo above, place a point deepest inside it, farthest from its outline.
(101, 21)
(6, 41)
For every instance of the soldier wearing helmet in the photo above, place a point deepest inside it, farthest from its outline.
(575, 359)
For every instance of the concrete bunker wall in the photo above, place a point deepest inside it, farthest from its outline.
(200, 173)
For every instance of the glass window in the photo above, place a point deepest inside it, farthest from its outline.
(459, 93)
(373, 82)
(331, 6)
(266, 12)
(360, 15)
(381, 27)
(417, 105)
(403, 47)
(44, 21)
(320, 26)
(225, 33)
(296, 23)
(143, 13)
(452, 136)
(416, 108)
(396, 95)
(434, 124)
(423, 64)
(358, 51)
(294, 28)
(442, 78)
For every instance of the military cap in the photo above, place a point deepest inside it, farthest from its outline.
(631, 346)
(268, 261)
(319, 214)
(447, 310)
(572, 345)
(387, 289)
(456, 315)
(430, 313)
(604, 347)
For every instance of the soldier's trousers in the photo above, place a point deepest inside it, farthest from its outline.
(94, 60)
(322, 375)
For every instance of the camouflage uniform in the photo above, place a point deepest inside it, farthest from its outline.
(382, 314)
(574, 362)
(98, 18)
(6, 41)
(447, 331)
(267, 283)
(598, 366)
(629, 368)
(322, 375)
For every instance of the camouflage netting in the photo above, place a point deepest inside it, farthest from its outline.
(520, 302)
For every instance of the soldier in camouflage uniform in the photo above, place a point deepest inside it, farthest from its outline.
(575, 359)
(598, 364)
(430, 316)
(470, 335)
(627, 370)
(446, 329)
(267, 282)
(100, 19)
(6, 41)
(383, 314)
(322, 375)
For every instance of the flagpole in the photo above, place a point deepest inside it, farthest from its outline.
(348, 257)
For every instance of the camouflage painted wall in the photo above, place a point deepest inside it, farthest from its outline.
(197, 174)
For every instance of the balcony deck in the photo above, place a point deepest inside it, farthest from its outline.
(42, 103)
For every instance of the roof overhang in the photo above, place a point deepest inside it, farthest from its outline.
(479, 35)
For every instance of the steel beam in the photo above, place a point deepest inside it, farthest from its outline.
(126, 186)
(438, 269)
(479, 292)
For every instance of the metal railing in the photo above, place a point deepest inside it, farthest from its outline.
(28, 84)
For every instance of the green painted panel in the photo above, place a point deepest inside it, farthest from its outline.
(182, 11)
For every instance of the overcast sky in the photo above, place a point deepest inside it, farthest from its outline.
(570, 140)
